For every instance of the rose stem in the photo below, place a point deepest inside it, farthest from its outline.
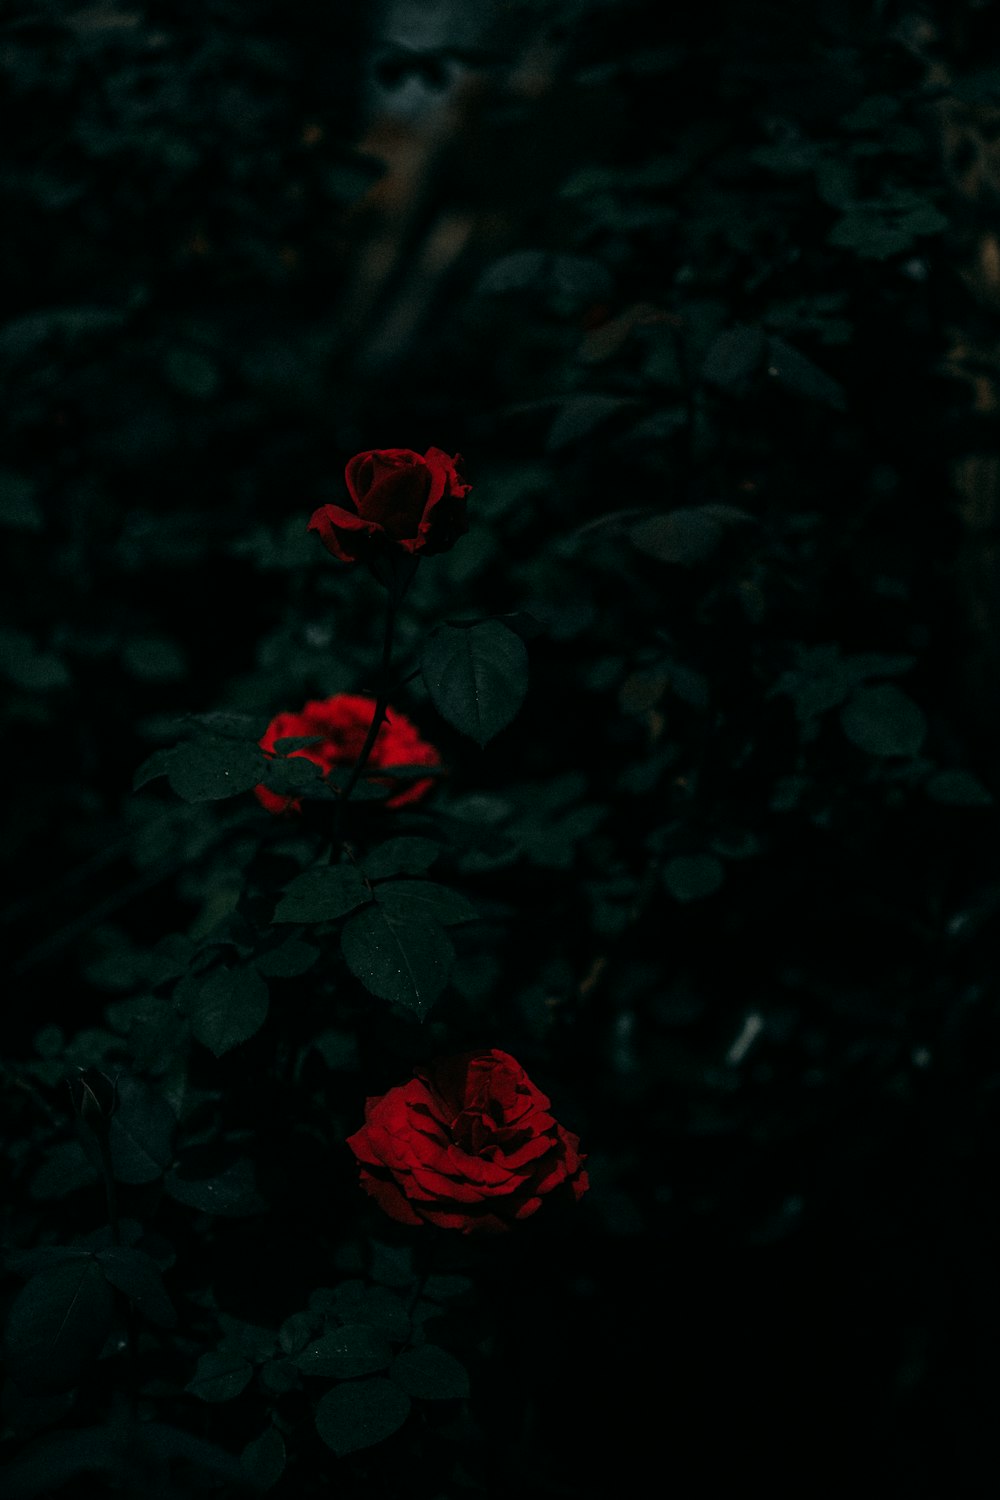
(381, 705)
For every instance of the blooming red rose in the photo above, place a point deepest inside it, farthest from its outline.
(467, 1144)
(342, 722)
(398, 502)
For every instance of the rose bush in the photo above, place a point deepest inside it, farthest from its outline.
(467, 1144)
(340, 724)
(399, 502)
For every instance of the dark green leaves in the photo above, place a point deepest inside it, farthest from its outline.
(355, 1349)
(263, 1459)
(883, 721)
(691, 877)
(322, 895)
(477, 676)
(687, 535)
(58, 1323)
(209, 766)
(228, 1007)
(430, 1373)
(401, 857)
(138, 1276)
(360, 1414)
(423, 900)
(405, 959)
(141, 1132)
(958, 789)
(220, 1376)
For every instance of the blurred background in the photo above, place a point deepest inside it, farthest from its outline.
(709, 299)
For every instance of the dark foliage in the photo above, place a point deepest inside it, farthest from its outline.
(711, 852)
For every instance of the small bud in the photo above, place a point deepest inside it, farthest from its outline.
(95, 1097)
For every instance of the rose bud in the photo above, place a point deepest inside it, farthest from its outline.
(399, 504)
(95, 1097)
(339, 726)
(467, 1144)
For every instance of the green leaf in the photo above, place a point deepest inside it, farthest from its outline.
(156, 764)
(206, 770)
(191, 373)
(688, 535)
(360, 1414)
(407, 962)
(154, 660)
(420, 900)
(477, 677)
(322, 894)
(288, 960)
(57, 1324)
(27, 666)
(281, 1376)
(691, 877)
(958, 789)
(137, 1275)
(18, 508)
(734, 357)
(884, 721)
(296, 1331)
(798, 374)
(230, 1007)
(141, 1133)
(263, 1459)
(229, 1190)
(406, 856)
(220, 1377)
(430, 1373)
(355, 1349)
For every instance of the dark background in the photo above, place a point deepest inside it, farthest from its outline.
(707, 296)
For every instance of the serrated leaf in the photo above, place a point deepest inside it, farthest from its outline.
(418, 900)
(137, 1275)
(360, 1414)
(220, 1376)
(141, 1132)
(263, 1459)
(403, 856)
(430, 1373)
(344, 1353)
(57, 1324)
(407, 962)
(230, 1006)
(207, 770)
(692, 877)
(477, 677)
(322, 895)
(883, 721)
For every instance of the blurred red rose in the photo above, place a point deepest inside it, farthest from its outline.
(467, 1144)
(341, 723)
(399, 502)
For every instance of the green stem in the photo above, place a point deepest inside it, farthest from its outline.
(381, 705)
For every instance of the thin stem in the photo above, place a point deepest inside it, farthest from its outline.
(381, 705)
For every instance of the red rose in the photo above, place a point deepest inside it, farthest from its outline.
(398, 502)
(467, 1144)
(342, 722)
